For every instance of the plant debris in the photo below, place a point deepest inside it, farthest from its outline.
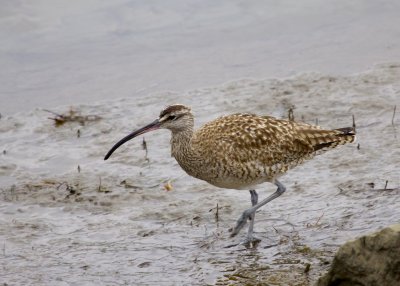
(72, 116)
(168, 186)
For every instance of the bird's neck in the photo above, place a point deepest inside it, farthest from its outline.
(183, 150)
(181, 144)
(185, 154)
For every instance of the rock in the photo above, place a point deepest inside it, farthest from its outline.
(367, 261)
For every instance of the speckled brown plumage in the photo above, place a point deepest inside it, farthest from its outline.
(239, 151)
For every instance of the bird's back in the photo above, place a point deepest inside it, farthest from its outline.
(242, 150)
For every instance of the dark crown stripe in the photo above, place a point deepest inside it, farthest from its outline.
(171, 108)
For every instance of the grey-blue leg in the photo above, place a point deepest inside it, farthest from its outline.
(254, 201)
(249, 213)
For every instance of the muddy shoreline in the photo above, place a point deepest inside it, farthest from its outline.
(116, 223)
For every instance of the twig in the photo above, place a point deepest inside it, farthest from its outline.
(99, 189)
(291, 114)
(316, 223)
(307, 268)
(354, 123)
(387, 181)
(52, 112)
(216, 213)
(144, 146)
(394, 113)
(319, 219)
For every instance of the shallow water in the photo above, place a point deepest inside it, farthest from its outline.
(115, 223)
(71, 52)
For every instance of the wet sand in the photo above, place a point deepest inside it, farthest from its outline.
(114, 222)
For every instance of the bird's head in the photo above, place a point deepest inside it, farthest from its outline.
(176, 117)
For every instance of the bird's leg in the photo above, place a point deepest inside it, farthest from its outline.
(247, 214)
(254, 201)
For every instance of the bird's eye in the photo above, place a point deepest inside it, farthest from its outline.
(171, 117)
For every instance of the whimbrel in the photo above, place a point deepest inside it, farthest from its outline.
(240, 151)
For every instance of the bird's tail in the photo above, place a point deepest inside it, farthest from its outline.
(328, 139)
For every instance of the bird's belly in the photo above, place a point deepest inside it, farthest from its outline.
(234, 183)
(229, 180)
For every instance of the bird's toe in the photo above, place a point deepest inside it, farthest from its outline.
(251, 242)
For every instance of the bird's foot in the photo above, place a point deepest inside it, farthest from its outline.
(251, 242)
(241, 222)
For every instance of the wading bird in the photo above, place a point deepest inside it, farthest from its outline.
(240, 151)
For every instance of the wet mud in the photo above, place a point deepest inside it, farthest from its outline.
(70, 218)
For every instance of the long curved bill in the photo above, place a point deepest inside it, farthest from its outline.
(152, 126)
